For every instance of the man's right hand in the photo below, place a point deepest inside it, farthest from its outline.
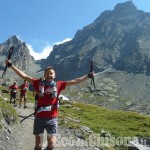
(8, 63)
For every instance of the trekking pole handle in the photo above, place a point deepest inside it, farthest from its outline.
(8, 57)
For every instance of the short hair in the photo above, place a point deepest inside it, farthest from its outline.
(14, 82)
(49, 68)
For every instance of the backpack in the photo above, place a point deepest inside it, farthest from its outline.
(41, 92)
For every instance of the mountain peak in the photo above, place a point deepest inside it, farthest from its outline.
(14, 39)
(127, 6)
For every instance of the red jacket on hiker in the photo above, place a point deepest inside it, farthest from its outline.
(47, 100)
(23, 88)
(13, 88)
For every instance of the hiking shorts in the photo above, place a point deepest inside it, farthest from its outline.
(23, 95)
(50, 124)
(13, 95)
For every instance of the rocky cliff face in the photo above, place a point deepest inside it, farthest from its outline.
(21, 56)
(117, 38)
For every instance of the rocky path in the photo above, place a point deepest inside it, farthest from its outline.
(20, 137)
(27, 128)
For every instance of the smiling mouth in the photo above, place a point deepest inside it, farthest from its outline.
(49, 78)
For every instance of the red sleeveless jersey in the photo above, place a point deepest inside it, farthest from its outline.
(47, 99)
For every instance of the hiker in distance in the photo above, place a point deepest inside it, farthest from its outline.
(46, 116)
(13, 92)
(23, 94)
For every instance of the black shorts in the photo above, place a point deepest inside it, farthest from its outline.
(50, 124)
(23, 95)
(13, 95)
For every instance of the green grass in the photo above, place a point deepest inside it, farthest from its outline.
(7, 112)
(30, 97)
(74, 115)
(116, 122)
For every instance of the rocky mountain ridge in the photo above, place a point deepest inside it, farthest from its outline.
(117, 39)
(21, 58)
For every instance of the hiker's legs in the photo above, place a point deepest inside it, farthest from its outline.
(25, 101)
(37, 148)
(14, 96)
(20, 101)
(51, 128)
(10, 99)
(14, 101)
(51, 141)
(38, 130)
(37, 142)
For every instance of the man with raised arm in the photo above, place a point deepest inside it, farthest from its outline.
(48, 90)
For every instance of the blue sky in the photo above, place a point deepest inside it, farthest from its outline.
(43, 23)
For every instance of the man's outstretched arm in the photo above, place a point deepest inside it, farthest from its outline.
(80, 79)
(19, 72)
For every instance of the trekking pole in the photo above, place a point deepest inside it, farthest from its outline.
(8, 57)
(102, 71)
(91, 70)
(26, 117)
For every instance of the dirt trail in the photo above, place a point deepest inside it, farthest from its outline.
(20, 137)
(27, 128)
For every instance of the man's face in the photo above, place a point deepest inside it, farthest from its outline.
(49, 75)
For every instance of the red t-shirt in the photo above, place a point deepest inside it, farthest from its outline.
(23, 88)
(47, 99)
(13, 88)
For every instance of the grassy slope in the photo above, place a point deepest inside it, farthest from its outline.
(7, 111)
(118, 123)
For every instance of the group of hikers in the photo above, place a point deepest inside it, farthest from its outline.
(46, 111)
(13, 90)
